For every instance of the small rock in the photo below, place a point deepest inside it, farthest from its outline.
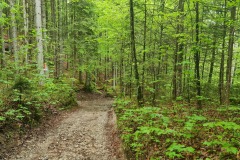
(76, 146)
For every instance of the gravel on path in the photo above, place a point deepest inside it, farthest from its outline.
(89, 133)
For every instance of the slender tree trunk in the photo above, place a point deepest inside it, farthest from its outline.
(32, 26)
(230, 54)
(221, 73)
(154, 85)
(25, 18)
(74, 57)
(44, 24)
(14, 34)
(60, 37)
(144, 44)
(212, 59)
(54, 36)
(162, 8)
(178, 55)
(38, 9)
(121, 70)
(174, 92)
(134, 54)
(88, 82)
(197, 59)
(204, 62)
(234, 68)
(3, 40)
(114, 75)
(160, 65)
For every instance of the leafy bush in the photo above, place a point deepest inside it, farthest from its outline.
(26, 102)
(59, 93)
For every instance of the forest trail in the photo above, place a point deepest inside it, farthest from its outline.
(89, 133)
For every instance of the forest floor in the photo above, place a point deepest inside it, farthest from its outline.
(87, 132)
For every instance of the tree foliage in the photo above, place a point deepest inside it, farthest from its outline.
(177, 59)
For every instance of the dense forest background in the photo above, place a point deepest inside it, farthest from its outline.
(172, 65)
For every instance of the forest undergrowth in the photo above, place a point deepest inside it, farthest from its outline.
(179, 131)
(24, 104)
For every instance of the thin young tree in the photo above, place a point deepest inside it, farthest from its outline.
(144, 43)
(197, 57)
(134, 54)
(221, 72)
(233, 11)
(25, 19)
(14, 33)
(178, 54)
(2, 36)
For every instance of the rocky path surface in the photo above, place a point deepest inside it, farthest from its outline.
(89, 133)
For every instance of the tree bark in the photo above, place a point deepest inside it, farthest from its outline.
(178, 55)
(197, 59)
(230, 54)
(3, 40)
(221, 73)
(25, 19)
(14, 34)
(44, 24)
(144, 44)
(134, 54)
(39, 36)
(212, 59)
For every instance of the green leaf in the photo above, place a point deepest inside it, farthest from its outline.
(173, 155)
(189, 150)
(223, 124)
(10, 112)
(189, 125)
(197, 118)
(2, 118)
(145, 130)
(176, 147)
(230, 149)
(20, 116)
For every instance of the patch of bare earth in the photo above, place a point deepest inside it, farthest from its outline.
(88, 133)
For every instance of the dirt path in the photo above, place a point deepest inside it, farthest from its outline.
(89, 133)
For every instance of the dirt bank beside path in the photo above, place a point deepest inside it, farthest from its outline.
(89, 133)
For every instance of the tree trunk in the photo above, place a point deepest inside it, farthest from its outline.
(178, 55)
(88, 79)
(204, 61)
(230, 54)
(134, 54)
(44, 24)
(60, 37)
(39, 35)
(25, 18)
(212, 59)
(14, 34)
(160, 65)
(3, 40)
(221, 73)
(144, 45)
(197, 59)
